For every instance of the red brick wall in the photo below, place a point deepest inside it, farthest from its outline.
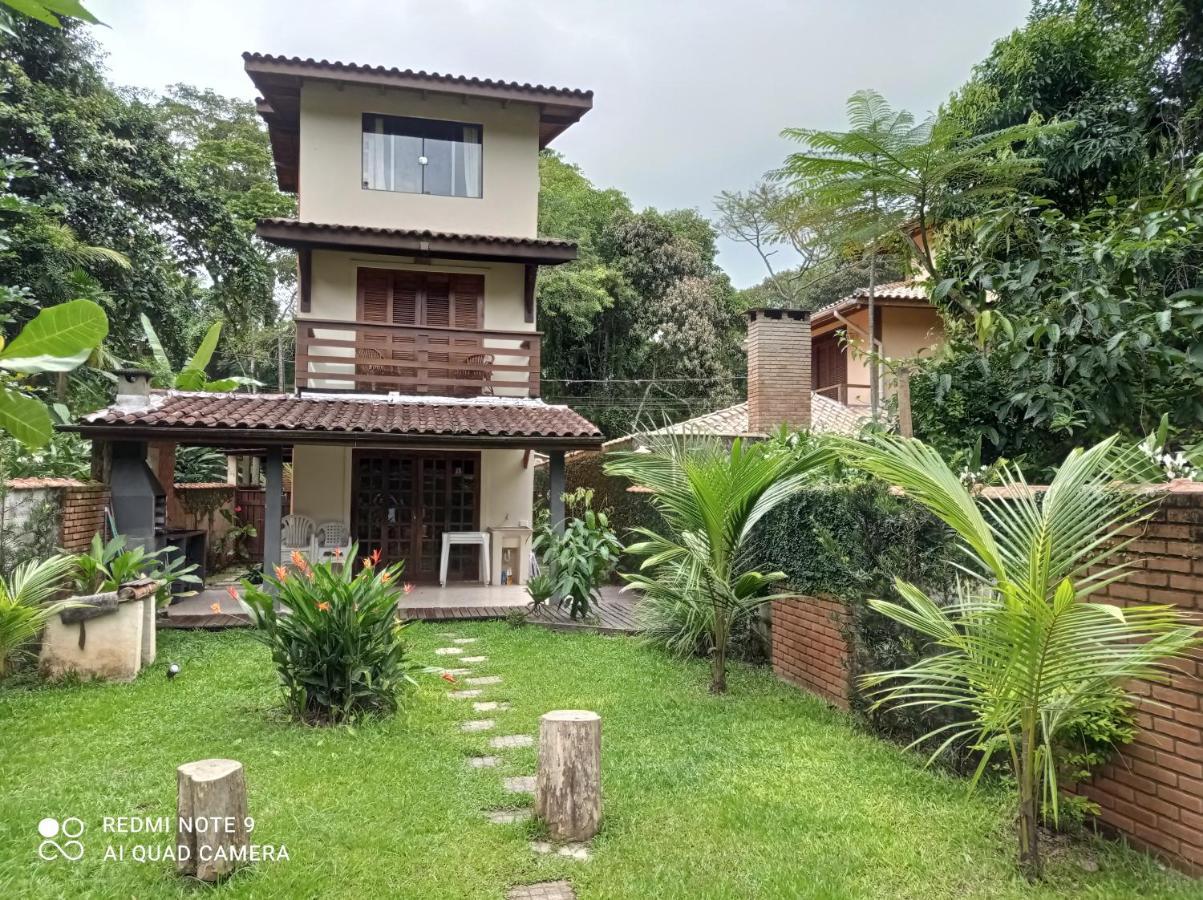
(778, 369)
(1153, 791)
(809, 649)
(83, 507)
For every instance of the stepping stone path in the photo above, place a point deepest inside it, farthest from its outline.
(490, 705)
(487, 679)
(456, 672)
(484, 762)
(473, 659)
(520, 784)
(511, 740)
(477, 725)
(572, 851)
(448, 651)
(464, 695)
(543, 890)
(508, 816)
(464, 641)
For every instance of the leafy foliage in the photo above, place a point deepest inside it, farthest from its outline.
(1023, 650)
(27, 603)
(192, 376)
(711, 499)
(339, 648)
(579, 560)
(199, 465)
(106, 566)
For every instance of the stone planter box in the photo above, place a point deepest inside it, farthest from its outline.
(110, 636)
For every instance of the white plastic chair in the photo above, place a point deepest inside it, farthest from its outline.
(331, 536)
(460, 538)
(296, 533)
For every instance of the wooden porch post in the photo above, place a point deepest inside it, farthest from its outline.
(273, 508)
(555, 489)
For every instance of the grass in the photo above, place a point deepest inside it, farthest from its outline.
(763, 793)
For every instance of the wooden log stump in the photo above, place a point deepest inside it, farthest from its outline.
(211, 833)
(568, 784)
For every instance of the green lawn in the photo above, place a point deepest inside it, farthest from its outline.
(763, 793)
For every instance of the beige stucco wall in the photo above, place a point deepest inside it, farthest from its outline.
(322, 487)
(331, 163)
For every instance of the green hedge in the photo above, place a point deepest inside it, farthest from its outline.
(610, 495)
(851, 541)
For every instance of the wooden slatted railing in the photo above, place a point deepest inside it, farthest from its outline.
(374, 357)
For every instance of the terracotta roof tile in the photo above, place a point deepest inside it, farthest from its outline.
(302, 227)
(891, 290)
(349, 414)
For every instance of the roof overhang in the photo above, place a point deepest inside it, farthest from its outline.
(424, 244)
(278, 79)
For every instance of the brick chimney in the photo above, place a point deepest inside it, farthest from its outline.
(778, 369)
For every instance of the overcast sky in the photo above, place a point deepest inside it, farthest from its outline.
(689, 97)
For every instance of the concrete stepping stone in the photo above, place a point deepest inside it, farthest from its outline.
(571, 851)
(477, 725)
(455, 672)
(487, 679)
(490, 705)
(463, 695)
(519, 784)
(484, 762)
(464, 641)
(542, 890)
(507, 816)
(507, 741)
(474, 659)
(448, 651)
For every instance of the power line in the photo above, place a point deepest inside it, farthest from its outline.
(643, 380)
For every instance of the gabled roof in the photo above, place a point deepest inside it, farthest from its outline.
(278, 79)
(896, 293)
(412, 242)
(827, 416)
(315, 418)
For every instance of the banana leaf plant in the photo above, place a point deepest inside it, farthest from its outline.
(192, 376)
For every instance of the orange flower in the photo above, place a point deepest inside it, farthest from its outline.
(233, 592)
(447, 676)
(385, 577)
(324, 606)
(408, 588)
(281, 573)
(376, 556)
(216, 607)
(367, 562)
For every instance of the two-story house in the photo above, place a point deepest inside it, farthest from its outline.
(416, 405)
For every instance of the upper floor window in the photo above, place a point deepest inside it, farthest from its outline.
(421, 156)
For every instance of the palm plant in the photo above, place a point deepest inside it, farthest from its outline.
(25, 603)
(711, 498)
(1022, 653)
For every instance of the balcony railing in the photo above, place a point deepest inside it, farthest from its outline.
(839, 392)
(374, 357)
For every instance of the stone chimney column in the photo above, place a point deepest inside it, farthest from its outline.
(133, 387)
(779, 377)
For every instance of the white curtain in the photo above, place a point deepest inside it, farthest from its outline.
(470, 156)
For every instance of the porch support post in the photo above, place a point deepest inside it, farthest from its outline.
(555, 489)
(273, 508)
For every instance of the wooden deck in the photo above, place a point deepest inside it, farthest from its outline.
(614, 615)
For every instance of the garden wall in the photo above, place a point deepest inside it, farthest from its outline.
(809, 647)
(42, 514)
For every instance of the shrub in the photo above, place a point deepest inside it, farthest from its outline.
(580, 560)
(106, 566)
(337, 645)
(25, 603)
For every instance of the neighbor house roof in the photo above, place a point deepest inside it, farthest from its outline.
(413, 242)
(894, 293)
(827, 417)
(275, 419)
(278, 79)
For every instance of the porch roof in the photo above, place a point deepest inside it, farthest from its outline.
(413, 242)
(240, 420)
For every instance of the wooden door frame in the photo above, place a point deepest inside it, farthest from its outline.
(358, 453)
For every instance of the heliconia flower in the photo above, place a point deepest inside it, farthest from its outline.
(376, 556)
(385, 577)
(281, 573)
(367, 562)
(233, 592)
(324, 606)
(448, 677)
(216, 607)
(408, 588)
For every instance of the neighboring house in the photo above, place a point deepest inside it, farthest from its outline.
(780, 371)
(416, 409)
(907, 326)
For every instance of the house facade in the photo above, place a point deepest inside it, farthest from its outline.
(416, 403)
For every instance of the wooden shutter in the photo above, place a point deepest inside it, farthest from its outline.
(438, 301)
(374, 294)
(407, 288)
(467, 295)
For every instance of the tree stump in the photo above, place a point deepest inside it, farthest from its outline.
(568, 784)
(211, 832)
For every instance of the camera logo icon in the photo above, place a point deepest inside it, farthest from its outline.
(69, 828)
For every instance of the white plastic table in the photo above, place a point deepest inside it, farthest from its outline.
(471, 538)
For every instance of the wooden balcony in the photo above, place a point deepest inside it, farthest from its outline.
(839, 392)
(338, 355)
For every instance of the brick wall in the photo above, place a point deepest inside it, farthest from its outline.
(83, 515)
(809, 649)
(779, 375)
(1153, 791)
